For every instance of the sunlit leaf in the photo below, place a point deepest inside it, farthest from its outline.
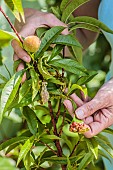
(16, 8)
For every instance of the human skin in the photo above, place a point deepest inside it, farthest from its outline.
(96, 113)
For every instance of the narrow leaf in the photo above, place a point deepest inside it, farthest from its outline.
(71, 7)
(9, 91)
(85, 161)
(68, 40)
(24, 150)
(49, 36)
(13, 141)
(30, 117)
(69, 65)
(92, 21)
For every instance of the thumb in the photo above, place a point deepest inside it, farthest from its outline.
(27, 30)
(88, 108)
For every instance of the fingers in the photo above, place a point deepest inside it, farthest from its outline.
(76, 99)
(69, 107)
(89, 108)
(52, 21)
(21, 67)
(22, 54)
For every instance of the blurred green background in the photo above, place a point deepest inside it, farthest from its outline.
(96, 57)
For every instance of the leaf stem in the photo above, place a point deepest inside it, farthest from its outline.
(48, 147)
(74, 148)
(57, 143)
(14, 29)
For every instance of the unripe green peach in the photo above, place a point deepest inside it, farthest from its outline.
(31, 44)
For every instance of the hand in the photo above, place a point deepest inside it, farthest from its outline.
(98, 112)
(34, 19)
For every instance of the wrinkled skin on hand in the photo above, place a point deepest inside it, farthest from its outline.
(96, 113)
(33, 20)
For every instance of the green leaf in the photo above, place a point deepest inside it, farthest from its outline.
(6, 37)
(25, 88)
(16, 8)
(85, 161)
(93, 146)
(31, 119)
(49, 36)
(69, 65)
(61, 160)
(67, 141)
(91, 21)
(24, 150)
(77, 53)
(56, 11)
(35, 82)
(108, 130)
(108, 149)
(85, 26)
(13, 141)
(70, 8)
(76, 86)
(41, 31)
(105, 139)
(9, 91)
(83, 80)
(63, 4)
(3, 78)
(56, 50)
(53, 137)
(103, 154)
(68, 40)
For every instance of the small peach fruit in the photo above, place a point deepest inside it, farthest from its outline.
(31, 44)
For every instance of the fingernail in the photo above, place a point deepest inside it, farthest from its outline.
(79, 114)
(27, 59)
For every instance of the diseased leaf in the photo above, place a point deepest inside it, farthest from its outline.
(92, 21)
(49, 36)
(31, 119)
(70, 8)
(69, 65)
(24, 150)
(9, 91)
